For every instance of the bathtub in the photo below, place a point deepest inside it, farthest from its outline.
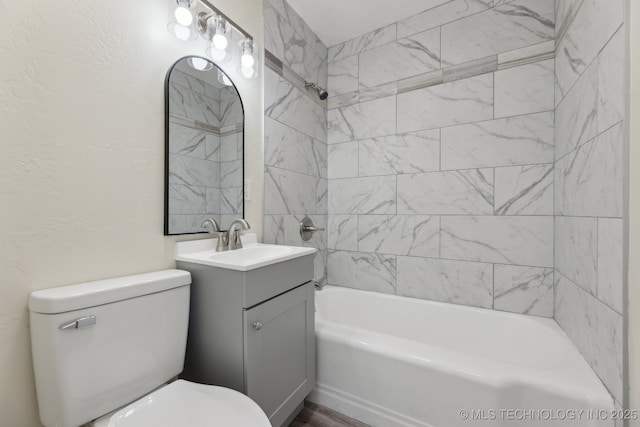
(395, 361)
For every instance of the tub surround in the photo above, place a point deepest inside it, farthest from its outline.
(295, 131)
(440, 157)
(588, 182)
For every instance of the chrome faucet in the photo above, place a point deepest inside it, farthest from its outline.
(233, 235)
(223, 238)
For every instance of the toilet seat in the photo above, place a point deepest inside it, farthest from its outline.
(183, 403)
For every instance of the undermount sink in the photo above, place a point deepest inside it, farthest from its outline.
(252, 255)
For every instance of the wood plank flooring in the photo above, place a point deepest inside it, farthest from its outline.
(313, 415)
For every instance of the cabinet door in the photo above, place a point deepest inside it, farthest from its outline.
(280, 352)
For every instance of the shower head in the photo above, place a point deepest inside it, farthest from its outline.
(322, 94)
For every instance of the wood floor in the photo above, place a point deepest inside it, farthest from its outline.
(313, 415)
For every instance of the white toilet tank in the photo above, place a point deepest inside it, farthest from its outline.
(136, 344)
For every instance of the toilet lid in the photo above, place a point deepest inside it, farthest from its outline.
(183, 403)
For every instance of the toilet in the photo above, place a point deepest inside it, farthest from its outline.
(103, 353)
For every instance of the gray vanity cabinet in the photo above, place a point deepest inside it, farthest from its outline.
(253, 331)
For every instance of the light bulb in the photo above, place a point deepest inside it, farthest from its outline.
(220, 41)
(247, 60)
(183, 16)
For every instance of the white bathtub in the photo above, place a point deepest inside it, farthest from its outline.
(396, 361)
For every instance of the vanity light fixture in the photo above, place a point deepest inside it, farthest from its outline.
(188, 18)
(247, 59)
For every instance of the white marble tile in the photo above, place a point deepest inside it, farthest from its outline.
(564, 11)
(526, 22)
(231, 201)
(454, 192)
(367, 41)
(212, 147)
(292, 231)
(191, 171)
(342, 232)
(273, 31)
(371, 272)
(595, 329)
(337, 101)
(405, 153)
(343, 160)
(525, 89)
(187, 141)
(230, 174)
(288, 192)
(288, 105)
(457, 282)
(192, 105)
(320, 267)
(364, 120)
(440, 15)
(213, 201)
(524, 190)
(322, 195)
(231, 112)
(417, 54)
(343, 76)
(576, 115)
(510, 141)
(458, 102)
(229, 147)
(611, 86)
(584, 39)
(321, 160)
(518, 240)
(286, 148)
(610, 266)
(188, 81)
(273, 230)
(375, 195)
(592, 176)
(526, 290)
(576, 250)
(186, 199)
(417, 235)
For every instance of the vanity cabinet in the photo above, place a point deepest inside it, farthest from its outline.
(253, 331)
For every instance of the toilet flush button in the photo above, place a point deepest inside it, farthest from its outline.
(83, 322)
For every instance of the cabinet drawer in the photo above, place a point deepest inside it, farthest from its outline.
(266, 282)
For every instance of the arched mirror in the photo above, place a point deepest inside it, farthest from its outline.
(204, 147)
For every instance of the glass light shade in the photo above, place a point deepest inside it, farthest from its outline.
(248, 58)
(217, 54)
(181, 32)
(247, 72)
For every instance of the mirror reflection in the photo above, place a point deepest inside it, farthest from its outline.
(204, 147)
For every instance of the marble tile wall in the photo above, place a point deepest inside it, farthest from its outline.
(440, 156)
(295, 132)
(588, 182)
(205, 154)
